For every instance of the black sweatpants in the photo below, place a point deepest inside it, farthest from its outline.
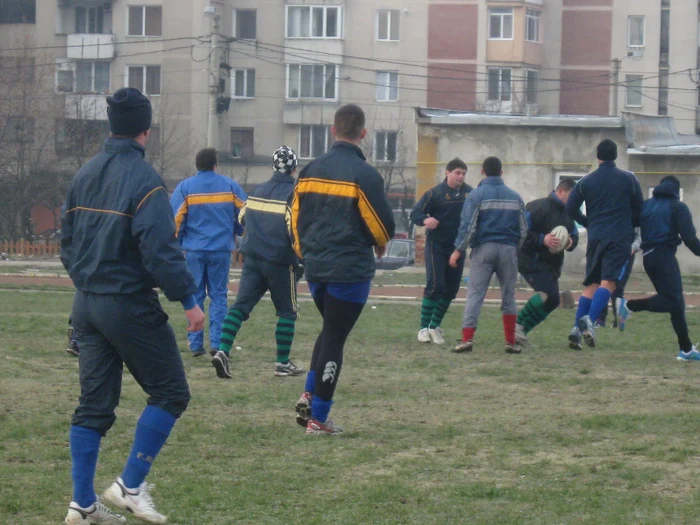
(442, 281)
(665, 274)
(620, 290)
(545, 282)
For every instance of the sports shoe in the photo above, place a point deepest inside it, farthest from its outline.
(462, 347)
(288, 369)
(220, 362)
(436, 335)
(316, 428)
(587, 330)
(72, 347)
(197, 353)
(520, 335)
(513, 349)
(575, 339)
(137, 501)
(600, 323)
(95, 513)
(623, 313)
(303, 409)
(693, 355)
(423, 335)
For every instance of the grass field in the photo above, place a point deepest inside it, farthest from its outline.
(605, 436)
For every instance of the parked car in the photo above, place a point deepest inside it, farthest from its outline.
(399, 252)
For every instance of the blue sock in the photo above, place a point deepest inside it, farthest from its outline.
(152, 431)
(584, 305)
(310, 385)
(84, 449)
(599, 303)
(320, 409)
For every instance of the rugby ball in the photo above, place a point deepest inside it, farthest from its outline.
(561, 233)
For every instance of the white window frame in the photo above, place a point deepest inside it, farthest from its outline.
(500, 84)
(92, 76)
(388, 25)
(527, 86)
(629, 30)
(328, 140)
(339, 21)
(637, 92)
(143, 20)
(536, 15)
(235, 24)
(300, 96)
(246, 74)
(96, 9)
(72, 83)
(502, 13)
(386, 133)
(145, 78)
(384, 89)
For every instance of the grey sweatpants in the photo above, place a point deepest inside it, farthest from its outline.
(487, 259)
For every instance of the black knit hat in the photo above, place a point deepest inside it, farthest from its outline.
(607, 150)
(129, 112)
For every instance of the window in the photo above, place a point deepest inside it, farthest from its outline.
(501, 23)
(387, 85)
(500, 85)
(17, 11)
(241, 142)
(144, 78)
(634, 90)
(244, 23)
(314, 141)
(314, 21)
(91, 77)
(85, 136)
(532, 85)
(532, 25)
(145, 20)
(385, 145)
(20, 129)
(89, 20)
(635, 31)
(64, 81)
(388, 24)
(311, 81)
(243, 83)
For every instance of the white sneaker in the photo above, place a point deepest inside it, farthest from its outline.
(95, 513)
(520, 335)
(137, 501)
(436, 335)
(423, 336)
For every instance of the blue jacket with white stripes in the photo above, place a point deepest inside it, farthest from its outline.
(492, 213)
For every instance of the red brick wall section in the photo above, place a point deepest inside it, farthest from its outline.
(452, 31)
(586, 38)
(452, 86)
(589, 94)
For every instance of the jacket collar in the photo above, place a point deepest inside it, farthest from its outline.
(349, 146)
(492, 181)
(278, 176)
(447, 187)
(205, 172)
(119, 145)
(553, 197)
(608, 164)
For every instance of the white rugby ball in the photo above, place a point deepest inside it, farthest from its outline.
(561, 233)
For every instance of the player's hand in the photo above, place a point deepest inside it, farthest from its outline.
(195, 318)
(551, 242)
(380, 251)
(454, 258)
(431, 223)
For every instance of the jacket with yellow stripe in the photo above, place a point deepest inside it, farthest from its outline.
(266, 217)
(339, 213)
(117, 228)
(206, 208)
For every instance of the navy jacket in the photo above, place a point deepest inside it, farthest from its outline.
(117, 228)
(339, 212)
(267, 220)
(666, 221)
(492, 213)
(613, 199)
(444, 204)
(543, 215)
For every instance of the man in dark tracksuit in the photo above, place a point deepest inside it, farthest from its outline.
(117, 244)
(439, 210)
(613, 199)
(621, 285)
(340, 215)
(270, 264)
(540, 267)
(666, 222)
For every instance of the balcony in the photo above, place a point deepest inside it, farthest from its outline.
(90, 47)
(309, 111)
(86, 107)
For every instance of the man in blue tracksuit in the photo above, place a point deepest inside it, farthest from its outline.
(494, 225)
(206, 208)
(666, 222)
(613, 199)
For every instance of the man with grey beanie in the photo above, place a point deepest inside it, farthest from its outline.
(118, 244)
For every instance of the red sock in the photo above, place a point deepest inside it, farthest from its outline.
(509, 327)
(468, 334)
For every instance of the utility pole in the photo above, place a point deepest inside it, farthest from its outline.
(213, 121)
(615, 84)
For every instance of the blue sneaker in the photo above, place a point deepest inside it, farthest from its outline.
(587, 330)
(693, 355)
(623, 313)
